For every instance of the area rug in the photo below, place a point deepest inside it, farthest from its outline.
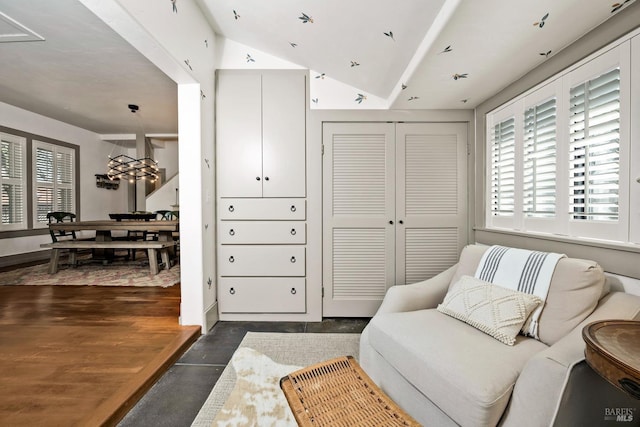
(93, 274)
(252, 396)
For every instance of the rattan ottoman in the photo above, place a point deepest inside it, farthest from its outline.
(338, 393)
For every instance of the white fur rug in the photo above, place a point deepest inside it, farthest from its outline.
(248, 391)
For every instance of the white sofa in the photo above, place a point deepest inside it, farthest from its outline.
(444, 372)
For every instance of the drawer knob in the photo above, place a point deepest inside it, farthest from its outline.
(266, 178)
(231, 208)
(293, 208)
(232, 291)
(231, 259)
(293, 232)
(293, 259)
(293, 291)
(232, 232)
(257, 178)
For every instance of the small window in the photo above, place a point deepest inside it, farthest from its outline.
(54, 187)
(14, 182)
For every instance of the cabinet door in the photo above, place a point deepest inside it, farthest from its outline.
(239, 135)
(283, 134)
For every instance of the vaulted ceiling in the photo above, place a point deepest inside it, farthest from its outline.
(411, 54)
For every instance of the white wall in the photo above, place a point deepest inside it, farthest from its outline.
(325, 93)
(95, 203)
(182, 44)
(167, 157)
(165, 197)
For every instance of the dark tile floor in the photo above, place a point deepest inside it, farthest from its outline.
(180, 393)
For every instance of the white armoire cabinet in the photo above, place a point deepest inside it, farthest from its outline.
(261, 127)
(261, 189)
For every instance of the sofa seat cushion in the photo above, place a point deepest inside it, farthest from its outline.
(466, 373)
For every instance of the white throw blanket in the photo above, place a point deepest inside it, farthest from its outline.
(522, 270)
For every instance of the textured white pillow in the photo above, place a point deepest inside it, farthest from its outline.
(497, 311)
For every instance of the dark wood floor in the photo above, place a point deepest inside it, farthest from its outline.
(83, 356)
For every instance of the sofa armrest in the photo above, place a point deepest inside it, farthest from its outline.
(545, 376)
(417, 296)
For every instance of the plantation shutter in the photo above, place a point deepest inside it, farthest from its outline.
(43, 183)
(13, 178)
(54, 180)
(539, 181)
(64, 180)
(503, 168)
(594, 148)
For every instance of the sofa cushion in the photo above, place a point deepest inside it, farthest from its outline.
(576, 288)
(463, 371)
(495, 310)
(574, 292)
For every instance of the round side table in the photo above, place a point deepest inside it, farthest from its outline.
(613, 351)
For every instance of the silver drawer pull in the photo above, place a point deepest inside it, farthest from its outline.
(232, 232)
(293, 232)
(232, 291)
(231, 208)
(293, 291)
(293, 208)
(293, 259)
(231, 259)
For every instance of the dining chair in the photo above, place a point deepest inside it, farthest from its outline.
(59, 216)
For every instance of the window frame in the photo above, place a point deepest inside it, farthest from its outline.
(23, 181)
(560, 84)
(32, 229)
(54, 185)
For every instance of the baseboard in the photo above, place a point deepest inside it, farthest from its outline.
(24, 258)
(211, 317)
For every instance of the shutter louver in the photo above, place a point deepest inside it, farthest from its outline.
(503, 168)
(594, 148)
(539, 184)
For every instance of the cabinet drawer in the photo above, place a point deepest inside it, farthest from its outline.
(234, 260)
(262, 232)
(262, 209)
(262, 295)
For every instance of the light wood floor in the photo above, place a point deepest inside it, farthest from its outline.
(83, 356)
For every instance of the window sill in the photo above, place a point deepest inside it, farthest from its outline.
(594, 243)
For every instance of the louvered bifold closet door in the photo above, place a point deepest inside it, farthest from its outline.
(431, 198)
(359, 220)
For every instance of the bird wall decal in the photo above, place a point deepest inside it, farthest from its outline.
(306, 18)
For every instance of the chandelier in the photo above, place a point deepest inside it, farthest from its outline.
(126, 167)
(129, 168)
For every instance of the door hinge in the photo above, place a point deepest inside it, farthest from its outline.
(323, 149)
(323, 292)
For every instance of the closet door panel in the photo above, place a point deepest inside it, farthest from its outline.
(359, 183)
(239, 133)
(284, 135)
(431, 198)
